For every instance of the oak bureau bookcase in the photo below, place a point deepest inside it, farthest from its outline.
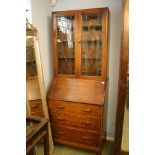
(77, 92)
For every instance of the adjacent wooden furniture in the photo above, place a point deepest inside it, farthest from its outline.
(35, 93)
(123, 79)
(77, 93)
(32, 79)
(36, 130)
(36, 108)
(34, 96)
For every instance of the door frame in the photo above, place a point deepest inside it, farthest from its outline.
(123, 75)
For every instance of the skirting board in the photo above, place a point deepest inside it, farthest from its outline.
(108, 138)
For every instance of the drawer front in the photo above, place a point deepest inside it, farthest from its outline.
(79, 121)
(36, 108)
(75, 136)
(94, 111)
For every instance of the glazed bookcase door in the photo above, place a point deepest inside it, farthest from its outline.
(65, 44)
(80, 43)
(91, 44)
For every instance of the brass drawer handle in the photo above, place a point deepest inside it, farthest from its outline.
(86, 138)
(60, 107)
(86, 110)
(86, 123)
(78, 41)
(61, 119)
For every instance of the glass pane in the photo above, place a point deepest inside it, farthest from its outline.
(91, 44)
(31, 67)
(66, 45)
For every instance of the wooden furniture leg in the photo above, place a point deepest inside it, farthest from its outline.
(36, 130)
(99, 153)
(46, 145)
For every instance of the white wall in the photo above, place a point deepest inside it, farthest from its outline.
(115, 7)
(29, 13)
(41, 19)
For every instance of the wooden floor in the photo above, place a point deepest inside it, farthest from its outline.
(65, 150)
(125, 134)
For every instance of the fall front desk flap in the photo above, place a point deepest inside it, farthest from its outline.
(77, 90)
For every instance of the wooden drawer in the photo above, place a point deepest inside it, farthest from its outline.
(94, 111)
(79, 121)
(78, 136)
(36, 108)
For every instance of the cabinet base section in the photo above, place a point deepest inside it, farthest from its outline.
(80, 146)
